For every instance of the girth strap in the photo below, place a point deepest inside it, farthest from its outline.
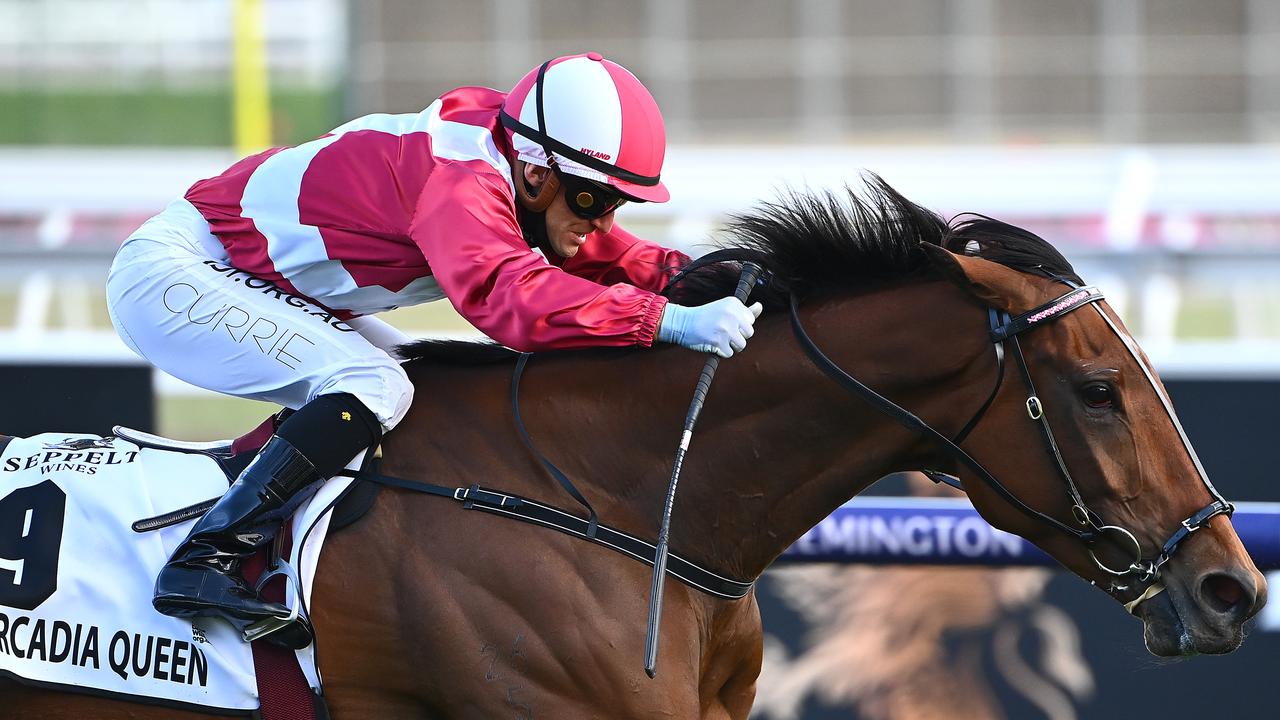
(520, 508)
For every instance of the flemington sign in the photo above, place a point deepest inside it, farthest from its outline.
(915, 531)
(944, 531)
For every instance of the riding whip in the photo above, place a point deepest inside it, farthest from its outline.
(750, 272)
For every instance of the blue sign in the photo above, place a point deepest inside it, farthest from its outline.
(944, 531)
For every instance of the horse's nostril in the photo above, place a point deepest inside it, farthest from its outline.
(1222, 592)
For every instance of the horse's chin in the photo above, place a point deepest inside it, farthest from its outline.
(1168, 633)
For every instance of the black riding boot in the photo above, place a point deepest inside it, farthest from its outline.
(202, 578)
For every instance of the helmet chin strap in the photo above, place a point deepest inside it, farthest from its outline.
(535, 201)
(532, 206)
(533, 225)
(542, 200)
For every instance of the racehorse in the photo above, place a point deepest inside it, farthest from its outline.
(1052, 419)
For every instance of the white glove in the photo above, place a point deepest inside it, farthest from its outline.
(721, 327)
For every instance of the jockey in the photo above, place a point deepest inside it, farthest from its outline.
(262, 282)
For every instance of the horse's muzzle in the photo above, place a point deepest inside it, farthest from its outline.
(1206, 618)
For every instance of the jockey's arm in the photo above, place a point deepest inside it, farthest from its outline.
(466, 228)
(380, 334)
(618, 256)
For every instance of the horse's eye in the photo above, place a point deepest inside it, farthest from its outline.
(1097, 395)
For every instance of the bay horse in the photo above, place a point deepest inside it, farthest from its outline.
(424, 611)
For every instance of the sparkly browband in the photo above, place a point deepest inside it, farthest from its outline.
(1065, 304)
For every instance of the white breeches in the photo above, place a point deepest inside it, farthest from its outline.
(176, 301)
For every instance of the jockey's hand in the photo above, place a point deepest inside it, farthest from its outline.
(721, 327)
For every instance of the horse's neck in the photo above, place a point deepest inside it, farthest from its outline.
(795, 445)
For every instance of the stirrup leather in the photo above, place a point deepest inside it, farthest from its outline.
(216, 448)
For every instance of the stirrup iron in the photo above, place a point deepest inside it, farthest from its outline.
(268, 626)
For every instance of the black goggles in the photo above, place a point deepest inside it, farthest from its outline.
(589, 199)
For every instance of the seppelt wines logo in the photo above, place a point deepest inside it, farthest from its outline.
(82, 455)
(82, 444)
(32, 523)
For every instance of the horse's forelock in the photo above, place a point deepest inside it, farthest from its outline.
(1009, 245)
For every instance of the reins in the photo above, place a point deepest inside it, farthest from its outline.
(909, 420)
(1004, 328)
(752, 259)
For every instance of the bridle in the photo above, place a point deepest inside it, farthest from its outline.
(1089, 528)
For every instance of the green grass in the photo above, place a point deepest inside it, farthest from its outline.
(428, 317)
(154, 116)
(1205, 317)
(214, 417)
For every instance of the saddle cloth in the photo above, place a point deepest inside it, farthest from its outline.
(76, 580)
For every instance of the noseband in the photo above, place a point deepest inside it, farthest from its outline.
(1088, 527)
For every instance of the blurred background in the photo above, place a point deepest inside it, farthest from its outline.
(1142, 137)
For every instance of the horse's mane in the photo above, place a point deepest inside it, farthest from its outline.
(456, 352)
(823, 243)
(469, 353)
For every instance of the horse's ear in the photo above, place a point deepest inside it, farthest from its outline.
(991, 283)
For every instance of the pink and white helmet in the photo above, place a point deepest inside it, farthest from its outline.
(595, 119)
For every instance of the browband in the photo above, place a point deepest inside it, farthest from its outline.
(1050, 310)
